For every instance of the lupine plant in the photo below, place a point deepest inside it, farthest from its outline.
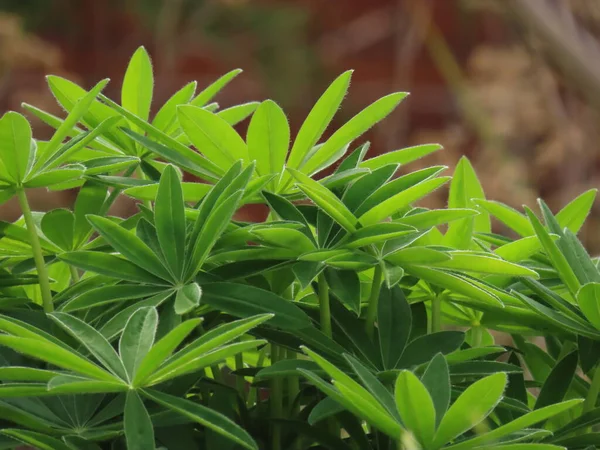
(351, 318)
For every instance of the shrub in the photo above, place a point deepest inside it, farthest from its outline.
(348, 319)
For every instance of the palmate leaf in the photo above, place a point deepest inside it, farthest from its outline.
(17, 150)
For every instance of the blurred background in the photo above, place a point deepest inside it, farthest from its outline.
(512, 84)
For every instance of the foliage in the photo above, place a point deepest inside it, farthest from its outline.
(350, 318)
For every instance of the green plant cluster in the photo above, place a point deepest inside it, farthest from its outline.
(349, 319)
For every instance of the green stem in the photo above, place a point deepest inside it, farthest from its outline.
(216, 373)
(240, 381)
(253, 394)
(38, 256)
(374, 300)
(477, 336)
(276, 401)
(592, 396)
(74, 274)
(325, 310)
(436, 314)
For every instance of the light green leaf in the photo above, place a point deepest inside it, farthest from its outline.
(166, 117)
(508, 216)
(588, 299)
(326, 200)
(354, 128)
(268, 140)
(415, 407)
(521, 423)
(207, 94)
(17, 150)
(187, 298)
(138, 84)
(317, 121)
(573, 215)
(402, 156)
(473, 406)
(401, 200)
(212, 136)
(237, 113)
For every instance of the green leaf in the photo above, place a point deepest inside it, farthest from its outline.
(394, 322)
(246, 301)
(345, 285)
(425, 347)
(317, 121)
(464, 188)
(55, 176)
(326, 200)
(187, 298)
(473, 406)
(401, 200)
(284, 237)
(175, 152)
(130, 246)
(109, 265)
(472, 262)
(354, 128)
(139, 432)
(373, 234)
(354, 394)
(373, 385)
(237, 113)
(416, 407)
(91, 339)
(108, 294)
(402, 156)
(90, 200)
(56, 355)
(58, 226)
(573, 215)
(210, 232)
(138, 84)
(428, 219)
(17, 150)
(163, 349)
(166, 118)
(588, 299)
(520, 249)
(214, 88)
(556, 256)
(79, 110)
(268, 140)
(137, 339)
(206, 417)
(169, 218)
(508, 216)
(359, 191)
(109, 164)
(437, 381)
(523, 422)
(557, 384)
(41, 441)
(212, 136)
